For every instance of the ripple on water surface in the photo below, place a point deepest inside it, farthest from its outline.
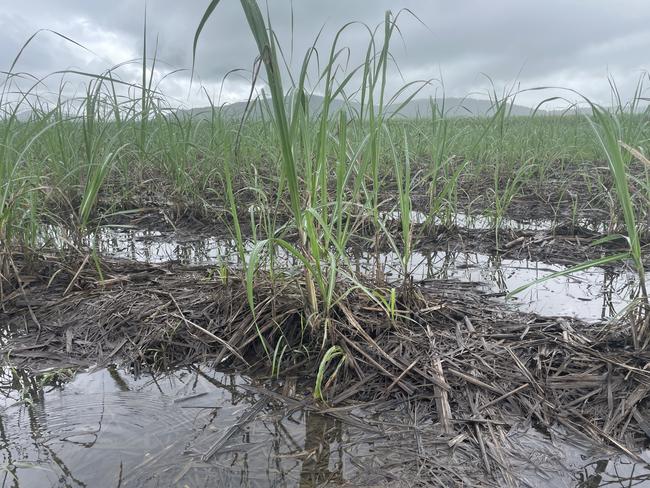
(106, 426)
(109, 429)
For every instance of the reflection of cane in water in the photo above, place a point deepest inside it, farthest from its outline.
(320, 432)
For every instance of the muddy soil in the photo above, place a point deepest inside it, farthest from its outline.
(574, 196)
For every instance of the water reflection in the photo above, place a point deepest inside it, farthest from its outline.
(109, 429)
(481, 221)
(589, 295)
(540, 462)
(320, 465)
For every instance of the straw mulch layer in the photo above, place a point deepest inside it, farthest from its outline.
(473, 365)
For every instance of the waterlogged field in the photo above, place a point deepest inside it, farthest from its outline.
(321, 291)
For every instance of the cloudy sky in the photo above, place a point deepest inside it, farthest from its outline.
(570, 43)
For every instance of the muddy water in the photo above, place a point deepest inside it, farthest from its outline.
(109, 429)
(588, 295)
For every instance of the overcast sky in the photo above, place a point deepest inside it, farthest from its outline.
(570, 43)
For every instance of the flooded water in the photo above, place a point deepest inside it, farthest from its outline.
(588, 295)
(541, 462)
(479, 221)
(110, 429)
(199, 427)
(107, 429)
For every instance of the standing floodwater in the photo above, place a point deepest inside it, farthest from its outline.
(589, 295)
(108, 429)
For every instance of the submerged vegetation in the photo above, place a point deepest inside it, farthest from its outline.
(298, 187)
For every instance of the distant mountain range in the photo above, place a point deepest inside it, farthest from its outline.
(421, 107)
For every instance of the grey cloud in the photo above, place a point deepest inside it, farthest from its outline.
(574, 42)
